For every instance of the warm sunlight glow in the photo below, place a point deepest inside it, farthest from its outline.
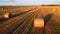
(6, 15)
(38, 23)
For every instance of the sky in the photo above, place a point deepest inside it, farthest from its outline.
(27, 2)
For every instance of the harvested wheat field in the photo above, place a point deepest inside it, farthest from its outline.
(29, 19)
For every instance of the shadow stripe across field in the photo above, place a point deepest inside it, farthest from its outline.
(22, 23)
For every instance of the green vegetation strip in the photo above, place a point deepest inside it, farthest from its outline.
(13, 25)
(22, 26)
(31, 26)
(30, 22)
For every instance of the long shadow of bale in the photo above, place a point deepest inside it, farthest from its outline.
(47, 18)
(12, 16)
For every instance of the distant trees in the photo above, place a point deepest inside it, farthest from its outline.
(43, 5)
(50, 5)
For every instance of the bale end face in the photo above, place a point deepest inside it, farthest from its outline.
(38, 23)
(7, 15)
